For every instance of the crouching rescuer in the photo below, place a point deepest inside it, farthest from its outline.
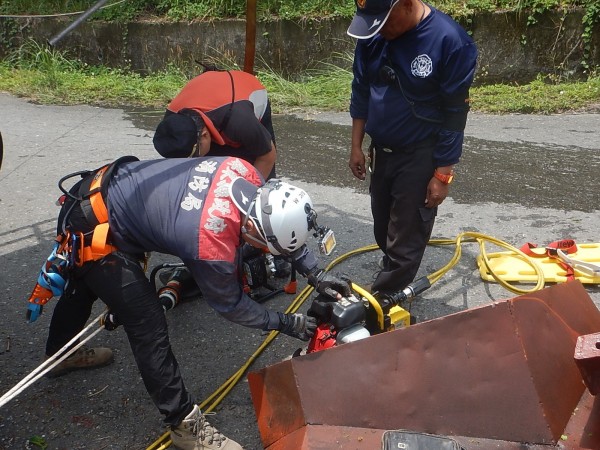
(206, 210)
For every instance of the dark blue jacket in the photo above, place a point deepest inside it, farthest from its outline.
(182, 207)
(435, 64)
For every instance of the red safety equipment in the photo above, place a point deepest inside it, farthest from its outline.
(567, 246)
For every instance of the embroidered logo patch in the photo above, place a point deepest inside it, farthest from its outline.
(376, 22)
(421, 66)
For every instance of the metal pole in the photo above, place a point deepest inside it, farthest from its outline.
(250, 36)
(52, 42)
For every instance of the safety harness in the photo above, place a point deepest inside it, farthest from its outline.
(92, 201)
(75, 247)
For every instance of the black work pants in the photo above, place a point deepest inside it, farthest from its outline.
(402, 224)
(119, 280)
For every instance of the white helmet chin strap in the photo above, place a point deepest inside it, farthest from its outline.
(247, 217)
(260, 241)
(266, 211)
(253, 239)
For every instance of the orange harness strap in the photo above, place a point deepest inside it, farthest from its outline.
(99, 247)
(96, 213)
(96, 200)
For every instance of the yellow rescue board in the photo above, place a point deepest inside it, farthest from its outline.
(511, 268)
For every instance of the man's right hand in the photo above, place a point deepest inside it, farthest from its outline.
(297, 325)
(357, 164)
(357, 161)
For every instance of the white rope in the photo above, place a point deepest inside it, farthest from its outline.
(51, 362)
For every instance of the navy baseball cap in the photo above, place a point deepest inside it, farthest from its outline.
(370, 17)
(175, 136)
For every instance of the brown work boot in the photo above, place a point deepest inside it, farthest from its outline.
(195, 433)
(83, 358)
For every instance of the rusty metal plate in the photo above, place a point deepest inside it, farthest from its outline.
(503, 372)
(323, 437)
(587, 358)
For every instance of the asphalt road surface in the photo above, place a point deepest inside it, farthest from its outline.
(522, 179)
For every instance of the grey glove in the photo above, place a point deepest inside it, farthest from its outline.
(328, 284)
(297, 325)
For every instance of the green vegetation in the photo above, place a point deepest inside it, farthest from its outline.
(268, 9)
(49, 76)
(537, 97)
(185, 9)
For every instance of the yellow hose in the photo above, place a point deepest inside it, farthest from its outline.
(472, 236)
(210, 403)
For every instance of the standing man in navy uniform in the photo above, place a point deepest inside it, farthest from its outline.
(413, 67)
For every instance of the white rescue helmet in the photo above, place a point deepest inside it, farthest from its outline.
(282, 213)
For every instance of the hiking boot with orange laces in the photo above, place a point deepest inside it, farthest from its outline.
(83, 358)
(195, 433)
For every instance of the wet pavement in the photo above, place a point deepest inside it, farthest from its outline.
(504, 167)
(522, 179)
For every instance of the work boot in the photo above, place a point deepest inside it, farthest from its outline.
(195, 433)
(83, 358)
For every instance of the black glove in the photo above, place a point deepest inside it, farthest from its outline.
(328, 284)
(109, 321)
(297, 325)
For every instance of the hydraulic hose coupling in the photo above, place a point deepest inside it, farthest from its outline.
(109, 321)
(170, 294)
(416, 287)
(410, 291)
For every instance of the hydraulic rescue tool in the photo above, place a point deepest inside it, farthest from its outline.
(360, 315)
(258, 269)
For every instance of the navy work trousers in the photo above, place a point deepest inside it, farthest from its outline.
(119, 280)
(402, 224)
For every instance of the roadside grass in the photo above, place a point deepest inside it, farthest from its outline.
(50, 77)
(538, 97)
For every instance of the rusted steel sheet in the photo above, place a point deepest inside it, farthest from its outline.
(323, 437)
(587, 358)
(501, 372)
(583, 430)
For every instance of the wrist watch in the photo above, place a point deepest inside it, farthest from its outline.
(444, 178)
